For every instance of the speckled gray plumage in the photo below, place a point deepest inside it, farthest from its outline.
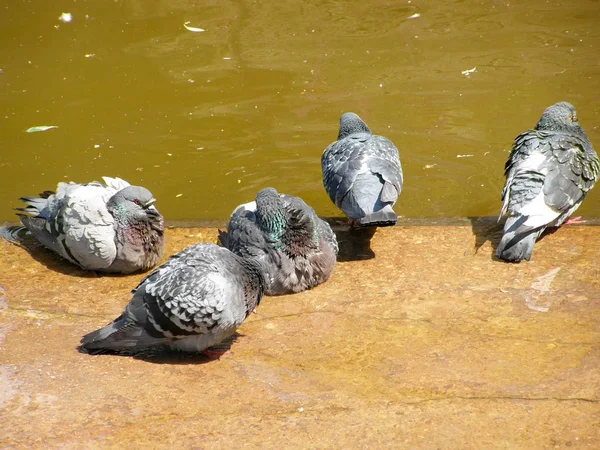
(112, 227)
(195, 300)
(297, 248)
(362, 173)
(549, 172)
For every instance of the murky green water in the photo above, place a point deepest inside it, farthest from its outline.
(254, 100)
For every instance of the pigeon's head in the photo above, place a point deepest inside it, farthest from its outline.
(134, 203)
(559, 117)
(350, 123)
(270, 213)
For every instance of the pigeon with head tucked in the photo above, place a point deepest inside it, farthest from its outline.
(362, 174)
(548, 174)
(297, 248)
(194, 301)
(112, 227)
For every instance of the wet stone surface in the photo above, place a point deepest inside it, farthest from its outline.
(418, 339)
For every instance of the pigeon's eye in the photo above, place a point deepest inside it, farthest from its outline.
(137, 202)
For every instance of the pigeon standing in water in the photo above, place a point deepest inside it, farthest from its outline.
(297, 248)
(107, 228)
(195, 300)
(362, 174)
(548, 174)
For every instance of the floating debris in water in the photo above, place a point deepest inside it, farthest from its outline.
(429, 166)
(463, 156)
(65, 17)
(90, 55)
(193, 29)
(414, 16)
(178, 195)
(468, 72)
(40, 128)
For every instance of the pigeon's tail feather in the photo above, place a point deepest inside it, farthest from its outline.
(37, 206)
(118, 336)
(518, 240)
(37, 227)
(383, 218)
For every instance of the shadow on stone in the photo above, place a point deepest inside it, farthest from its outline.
(486, 229)
(354, 244)
(165, 355)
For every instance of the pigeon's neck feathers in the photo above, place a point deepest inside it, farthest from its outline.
(301, 236)
(350, 123)
(270, 214)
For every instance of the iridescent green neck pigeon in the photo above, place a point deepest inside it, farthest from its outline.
(298, 248)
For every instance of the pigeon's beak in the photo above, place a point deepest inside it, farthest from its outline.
(150, 204)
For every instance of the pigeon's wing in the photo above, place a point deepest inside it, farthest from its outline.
(88, 227)
(326, 233)
(115, 184)
(341, 162)
(384, 160)
(571, 172)
(243, 236)
(525, 173)
(199, 293)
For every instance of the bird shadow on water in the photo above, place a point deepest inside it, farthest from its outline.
(165, 355)
(20, 237)
(489, 229)
(354, 243)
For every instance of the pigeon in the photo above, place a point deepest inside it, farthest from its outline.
(362, 174)
(194, 301)
(297, 248)
(548, 174)
(107, 228)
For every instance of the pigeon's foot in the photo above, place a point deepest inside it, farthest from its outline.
(574, 221)
(214, 354)
(353, 223)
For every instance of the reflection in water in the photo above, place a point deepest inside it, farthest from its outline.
(207, 119)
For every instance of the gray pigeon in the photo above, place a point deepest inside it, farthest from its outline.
(548, 174)
(195, 300)
(107, 228)
(362, 174)
(297, 248)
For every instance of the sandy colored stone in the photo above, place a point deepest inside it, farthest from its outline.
(428, 344)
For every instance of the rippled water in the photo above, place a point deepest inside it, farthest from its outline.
(254, 100)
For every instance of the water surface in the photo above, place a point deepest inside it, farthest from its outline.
(206, 119)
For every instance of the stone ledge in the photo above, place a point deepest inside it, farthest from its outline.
(418, 339)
